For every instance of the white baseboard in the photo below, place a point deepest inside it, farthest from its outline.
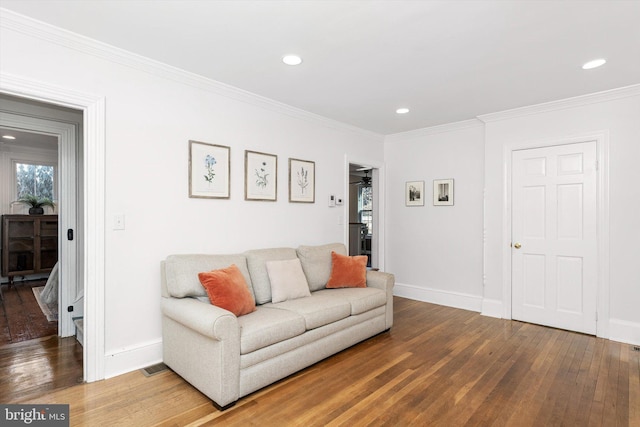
(130, 359)
(624, 331)
(492, 308)
(438, 296)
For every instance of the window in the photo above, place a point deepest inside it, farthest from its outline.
(365, 205)
(35, 180)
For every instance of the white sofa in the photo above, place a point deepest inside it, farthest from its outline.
(228, 357)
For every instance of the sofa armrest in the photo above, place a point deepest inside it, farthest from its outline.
(380, 280)
(201, 343)
(206, 319)
(384, 281)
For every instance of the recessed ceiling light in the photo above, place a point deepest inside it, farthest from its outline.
(292, 60)
(402, 110)
(8, 137)
(594, 64)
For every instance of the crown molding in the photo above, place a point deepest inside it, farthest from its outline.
(433, 130)
(52, 34)
(577, 101)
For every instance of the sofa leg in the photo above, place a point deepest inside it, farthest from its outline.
(223, 408)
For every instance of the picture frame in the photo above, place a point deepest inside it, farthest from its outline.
(260, 176)
(209, 170)
(414, 193)
(443, 192)
(302, 181)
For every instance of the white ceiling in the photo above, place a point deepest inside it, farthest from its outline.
(28, 139)
(445, 60)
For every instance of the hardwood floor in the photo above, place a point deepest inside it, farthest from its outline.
(33, 359)
(31, 368)
(20, 316)
(437, 366)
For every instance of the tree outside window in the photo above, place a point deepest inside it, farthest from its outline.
(35, 180)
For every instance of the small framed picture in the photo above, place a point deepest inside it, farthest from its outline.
(414, 193)
(260, 176)
(209, 167)
(443, 192)
(302, 181)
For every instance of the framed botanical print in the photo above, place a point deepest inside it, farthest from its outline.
(209, 170)
(260, 176)
(302, 181)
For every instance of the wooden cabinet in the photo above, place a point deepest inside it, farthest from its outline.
(29, 244)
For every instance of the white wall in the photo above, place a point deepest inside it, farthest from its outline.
(436, 251)
(616, 114)
(152, 111)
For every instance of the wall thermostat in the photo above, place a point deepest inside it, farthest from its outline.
(332, 201)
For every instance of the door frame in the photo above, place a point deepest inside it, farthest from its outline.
(66, 154)
(94, 124)
(602, 222)
(377, 183)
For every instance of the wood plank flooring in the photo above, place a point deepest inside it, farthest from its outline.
(438, 366)
(33, 359)
(31, 368)
(20, 316)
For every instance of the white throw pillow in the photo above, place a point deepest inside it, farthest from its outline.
(287, 280)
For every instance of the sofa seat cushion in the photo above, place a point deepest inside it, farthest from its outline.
(360, 300)
(317, 310)
(267, 326)
(309, 337)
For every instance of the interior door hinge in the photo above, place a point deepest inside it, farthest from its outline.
(597, 165)
(596, 316)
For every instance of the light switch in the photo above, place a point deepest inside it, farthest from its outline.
(118, 222)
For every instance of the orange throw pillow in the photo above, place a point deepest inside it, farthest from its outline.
(228, 289)
(348, 271)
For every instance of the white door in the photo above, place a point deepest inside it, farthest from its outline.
(554, 242)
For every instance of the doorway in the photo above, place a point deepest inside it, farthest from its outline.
(364, 232)
(554, 255)
(46, 123)
(92, 153)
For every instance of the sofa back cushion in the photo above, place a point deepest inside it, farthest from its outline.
(316, 263)
(182, 272)
(256, 263)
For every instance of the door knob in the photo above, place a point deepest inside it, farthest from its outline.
(517, 246)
